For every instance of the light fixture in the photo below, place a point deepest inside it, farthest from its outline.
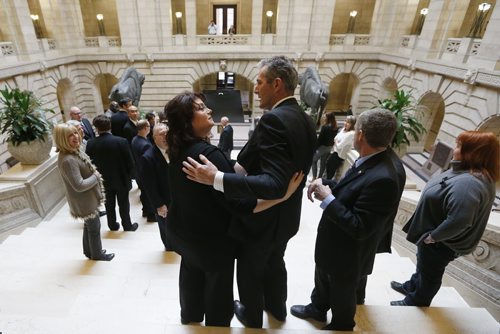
(477, 25)
(100, 17)
(34, 17)
(484, 6)
(353, 13)
(424, 11)
(352, 21)
(178, 15)
(36, 25)
(269, 23)
(421, 19)
(100, 23)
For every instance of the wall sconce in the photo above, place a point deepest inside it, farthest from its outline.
(100, 23)
(352, 21)
(421, 20)
(269, 23)
(178, 15)
(477, 26)
(36, 25)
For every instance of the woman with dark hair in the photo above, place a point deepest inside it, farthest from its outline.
(84, 189)
(199, 216)
(451, 215)
(325, 143)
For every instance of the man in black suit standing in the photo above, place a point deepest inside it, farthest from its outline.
(358, 213)
(283, 143)
(154, 164)
(120, 118)
(114, 161)
(226, 137)
(130, 127)
(76, 114)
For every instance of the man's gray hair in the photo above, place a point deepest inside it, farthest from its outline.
(280, 67)
(378, 126)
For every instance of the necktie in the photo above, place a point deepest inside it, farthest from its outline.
(351, 170)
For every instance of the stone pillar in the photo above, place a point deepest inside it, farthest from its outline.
(257, 6)
(164, 23)
(321, 25)
(283, 20)
(22, 32)
(489, 51)
(128, 21)
(191, 22)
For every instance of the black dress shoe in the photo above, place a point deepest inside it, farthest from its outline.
(106, 257)
(239, 311)
(151, 219)
(308, 311)
(399, 303)
(131, 228)
(114, 227)
(398, 287)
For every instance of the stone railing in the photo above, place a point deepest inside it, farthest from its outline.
(103, 42)
(453, 44)
(7, 49)
(337, 39)
(47, 44)
(223, 39)
(349, 39)
(362, 40)
(460, 49)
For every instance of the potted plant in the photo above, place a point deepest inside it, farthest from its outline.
(408, 125)
(22, 121)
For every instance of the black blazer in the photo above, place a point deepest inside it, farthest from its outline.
(326, 136)
(283, 143)
(154, 176)
(199, 216)
(88, 131)
(118, 120)
(113, 160)
(129, 130)
(226, 139)
(354, 223)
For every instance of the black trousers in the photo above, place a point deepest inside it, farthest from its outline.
(262, 280)
(147, 208)
(112, 196)
(208, 293)
(162, 225)
(332, 164)
(425, 283)
(338, 293)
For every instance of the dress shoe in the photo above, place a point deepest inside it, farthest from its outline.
(398, 287)
(278, 314)
(399, 303)
(308, 311)
(106, 257)
(131, 228)
(360, 302)
(239, 311)
(151, 219)
(102, 213)
(114, 227)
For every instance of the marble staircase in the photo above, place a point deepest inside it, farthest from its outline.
(48, 286)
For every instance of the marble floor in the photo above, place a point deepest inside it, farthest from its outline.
(48, 286)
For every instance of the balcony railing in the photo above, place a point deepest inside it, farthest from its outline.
(103, 42)
(223, 39)
(7, 49)
(460, 49)
(350, 39)
(453, 44)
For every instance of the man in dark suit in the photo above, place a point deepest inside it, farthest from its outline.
(114, 161)
(226, 137)
(76, 114)
(154, 165)
(130, 127)
(120, 118)
(140, 144)
(282, 144)
(358, 213)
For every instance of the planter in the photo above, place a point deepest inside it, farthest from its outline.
(32, 153)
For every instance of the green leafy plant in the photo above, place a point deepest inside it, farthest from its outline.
(22, 117)
(408, 125)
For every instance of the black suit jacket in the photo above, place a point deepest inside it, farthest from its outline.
(113, 160)
(118, 121)
(88, 131)
(283, 143)
(154, 174)
(354, 223)
(226, 139)
(129, 131)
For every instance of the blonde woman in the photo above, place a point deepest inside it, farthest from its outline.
(342, 146)
(83, 186)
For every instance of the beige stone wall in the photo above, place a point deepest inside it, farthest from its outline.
(363, 19)
(90, 9)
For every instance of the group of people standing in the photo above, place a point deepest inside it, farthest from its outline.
(215, 210)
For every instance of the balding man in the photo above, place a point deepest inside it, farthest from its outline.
(76, 114)
(226, 137)
(154, 164)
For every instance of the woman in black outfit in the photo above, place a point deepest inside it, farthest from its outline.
(199, 216)
(326, 140)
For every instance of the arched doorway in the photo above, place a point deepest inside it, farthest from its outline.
(103, 83)
(430, 109)
(343, 91)
(389, 86)
(240, 95)
(65, 97)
